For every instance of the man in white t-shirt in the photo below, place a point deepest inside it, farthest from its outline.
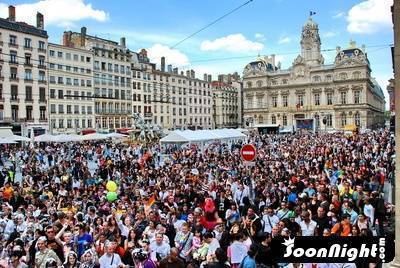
(270, 220)
(307, 225)
(110, 259)
(158, 248)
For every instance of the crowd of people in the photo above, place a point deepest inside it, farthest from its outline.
(188, 206)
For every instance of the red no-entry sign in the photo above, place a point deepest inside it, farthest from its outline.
(248, 152)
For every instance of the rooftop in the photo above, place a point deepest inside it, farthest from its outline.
(22, 27)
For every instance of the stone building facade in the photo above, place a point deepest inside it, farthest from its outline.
(71, 104)
(227, 104)
(23, 75)
(334, 95)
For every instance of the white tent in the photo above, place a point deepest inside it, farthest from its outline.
(6, 132)
(203, 136)
(115, 135)
(94, 136)
(45, 138)
(6, 141)
(67, 138)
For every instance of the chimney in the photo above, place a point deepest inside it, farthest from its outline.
(188, 73)
(11, 13)
(273, 60)
(123, 42)
(192, 74)
(209, 78)
(39, 21)
(67, 39)
(83, 36)
(162, 64)
(205, 77)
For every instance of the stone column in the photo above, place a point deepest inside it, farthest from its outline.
(396, 22)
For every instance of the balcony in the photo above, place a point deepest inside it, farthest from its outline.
(13, 62)
(28, 64)
(41, 50)
(28, 48)
(29, 100)
(13, 45)
(43, 120)
(42, 100)
(28, 80)
(43, 82)
(42, 66)
(14, 99)
(148, 115)
(15, 79)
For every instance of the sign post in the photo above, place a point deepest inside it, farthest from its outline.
(248, 154)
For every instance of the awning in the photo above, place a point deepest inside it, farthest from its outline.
(350, 127)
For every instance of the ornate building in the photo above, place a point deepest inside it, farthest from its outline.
(334, 95)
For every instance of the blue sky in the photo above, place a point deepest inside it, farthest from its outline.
(262, 27)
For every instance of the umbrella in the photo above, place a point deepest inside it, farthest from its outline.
(67, 138)
(94, 136)
(6, 141)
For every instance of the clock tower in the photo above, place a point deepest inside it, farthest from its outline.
(311, 44)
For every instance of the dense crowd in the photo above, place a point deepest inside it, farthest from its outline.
(188, 206)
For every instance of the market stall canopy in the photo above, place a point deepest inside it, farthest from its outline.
(6, 132)
(6, 141)
(94, 136)
(45, 138)
(116, 135)
(198, 136)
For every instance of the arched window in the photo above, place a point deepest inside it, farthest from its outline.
(356, 75)
(317, 78)
(328, 78)
(260, 119)
(343, 76)
(259, 83)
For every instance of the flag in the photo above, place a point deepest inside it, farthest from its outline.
(151, 200)
(312, 13)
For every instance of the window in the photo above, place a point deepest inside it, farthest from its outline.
(14, 112)
(68, 56)
(300, 101)
(357, 119)
(52, 66)
(13, 57)
(13, 40)
(273, 119)
(259, 83)
(60, 80)
(343, 97)
(14, 92)
(356, 96)
(28, 94)
(76, 109)
(356, 75)
(328, 78)
(76, 57)
(249, 84)
(59, 54)
(53, 108)
(42, 114)
(316, 99)
(60, 109)
(284, 120)
(28, 43)
(52, 93)
(89, 110)
(317, 123)
(329, 120)
(42, 94)
(69, 81)
(60, 94)
(29, 113)
(28, 75)
(329, 98)
(41, 61)
(342, 76)
(52, 79)
(284, 81)
(69, 123)
(317, 79)
(285, 100)
(61, 123)
(42, 76)
(13, 73)
(52, 53)
(343, 120)
(274, 101)
(41, 46)
(69, 109)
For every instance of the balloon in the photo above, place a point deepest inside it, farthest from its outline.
(112, 196)
(111, 186)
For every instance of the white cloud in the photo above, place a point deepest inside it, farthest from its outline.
(338, 15)
(56, 12)
(329, 34)
(370, 16)
(259, 36)
(231, 43)
(284, 40)
(172, 56)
